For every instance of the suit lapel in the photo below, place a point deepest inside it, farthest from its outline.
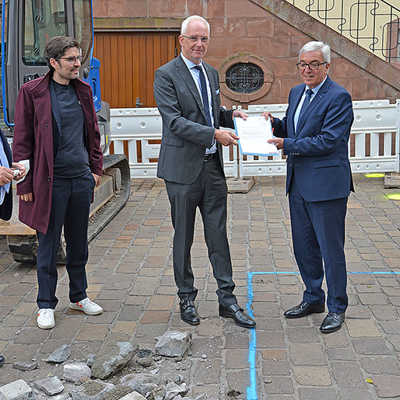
(187, 78)
(292, 111)
(313, 105)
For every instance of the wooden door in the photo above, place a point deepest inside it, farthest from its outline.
(128, 62)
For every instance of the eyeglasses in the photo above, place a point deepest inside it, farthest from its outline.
(312, 65)
(194, 39)
(71, 59)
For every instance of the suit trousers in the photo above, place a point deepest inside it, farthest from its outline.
(71, 200)
(318, 231)
(209, 193)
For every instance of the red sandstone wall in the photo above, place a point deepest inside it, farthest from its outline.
(239, 26)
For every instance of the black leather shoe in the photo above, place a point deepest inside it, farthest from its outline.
(304, 309)
(2, 359)
(332, 322)
(189, 313)
(238, 315)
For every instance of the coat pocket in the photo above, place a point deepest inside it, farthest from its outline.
(174, 141)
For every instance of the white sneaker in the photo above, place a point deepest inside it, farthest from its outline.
(45, 318)
(87, 306)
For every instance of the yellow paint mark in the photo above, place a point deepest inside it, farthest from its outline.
(393, 196)
(376, 175)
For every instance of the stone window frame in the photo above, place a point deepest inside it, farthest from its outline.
(245, 97)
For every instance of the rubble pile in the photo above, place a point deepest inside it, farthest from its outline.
(105, 377)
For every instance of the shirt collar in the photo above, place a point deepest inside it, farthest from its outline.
(315, 90)
(190, 64)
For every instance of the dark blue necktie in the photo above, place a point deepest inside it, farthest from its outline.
(204, 95)
(306, 102)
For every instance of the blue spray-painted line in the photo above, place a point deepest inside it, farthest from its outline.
(251, 390)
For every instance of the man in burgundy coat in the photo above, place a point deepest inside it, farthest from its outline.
(56, 130)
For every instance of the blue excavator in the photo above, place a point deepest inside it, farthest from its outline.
(27, 26)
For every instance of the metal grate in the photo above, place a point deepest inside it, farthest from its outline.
(244, 77)
(372, 24)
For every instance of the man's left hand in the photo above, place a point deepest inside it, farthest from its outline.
(278, 142)
(96, 179)
(240, 114)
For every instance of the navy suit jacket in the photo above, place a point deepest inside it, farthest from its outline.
(318, 151)
(6, 207)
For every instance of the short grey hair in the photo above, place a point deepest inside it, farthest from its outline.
(317, 46)
(188, 20)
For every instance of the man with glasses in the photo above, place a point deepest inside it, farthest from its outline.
(314, 135)
(187, 94)
(56, 130)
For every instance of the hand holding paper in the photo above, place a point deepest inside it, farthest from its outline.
(254, 133)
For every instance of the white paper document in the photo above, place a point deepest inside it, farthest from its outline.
(253, 135)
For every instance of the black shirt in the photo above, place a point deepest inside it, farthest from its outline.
(71, 157)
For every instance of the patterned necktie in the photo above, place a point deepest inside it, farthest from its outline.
(4, 163)
(204, 94)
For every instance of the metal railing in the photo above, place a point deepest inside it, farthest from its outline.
(374, 142)
(372, 24)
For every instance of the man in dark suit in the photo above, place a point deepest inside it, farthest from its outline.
(314, 135)
(187, 94)
(8, 172)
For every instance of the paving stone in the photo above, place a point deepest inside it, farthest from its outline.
(387, 386)
(373, 298)
(275, 367)
(341, 354)
(307, 354)
(380, 365)
(371, 346)
(362, 328)
(356, 394)
(390, 327)
(317, 394)
(312, 376)
(385, 312)
(303, 335)
(279, 385)
(348, 374)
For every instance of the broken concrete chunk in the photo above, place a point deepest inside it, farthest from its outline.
(92, 390)
(60, 355)
(173, 343)
(113, 359)
(17, 390)
(26, 365)
(77, 372)
(141, 383)
(50, 386)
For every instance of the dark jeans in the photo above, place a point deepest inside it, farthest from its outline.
(70, 208)
(209, 193)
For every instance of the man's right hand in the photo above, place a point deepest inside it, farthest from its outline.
(26, 197)
(226, 138)
(6, 175)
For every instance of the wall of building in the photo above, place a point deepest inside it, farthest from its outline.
(242, 30)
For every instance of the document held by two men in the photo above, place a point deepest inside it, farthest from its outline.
(253, 135)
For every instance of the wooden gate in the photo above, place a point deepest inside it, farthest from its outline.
(128, 62)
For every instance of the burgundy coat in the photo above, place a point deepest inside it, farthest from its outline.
(33, 140)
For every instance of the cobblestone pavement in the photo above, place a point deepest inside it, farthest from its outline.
(130, 275)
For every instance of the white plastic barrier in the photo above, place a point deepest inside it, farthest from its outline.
(374, 144)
